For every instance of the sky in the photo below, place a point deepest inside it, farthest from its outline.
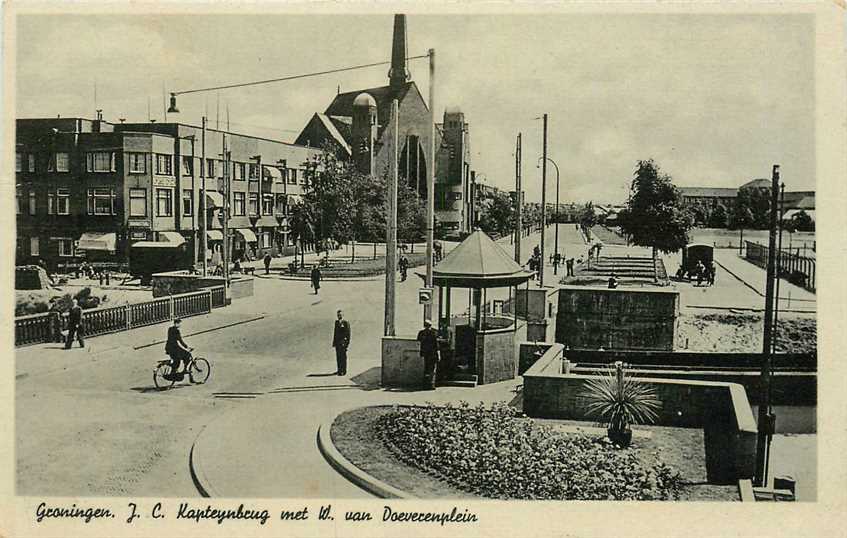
(716, 100)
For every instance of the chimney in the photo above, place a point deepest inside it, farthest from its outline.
(399, 73)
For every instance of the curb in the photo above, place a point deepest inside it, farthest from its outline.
(351, 472)
(325, 279)
(242, 322)
(196, 471)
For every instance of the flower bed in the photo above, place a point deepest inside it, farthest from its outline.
(498, 454)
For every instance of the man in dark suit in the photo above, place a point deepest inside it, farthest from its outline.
(176, 347)
(340, 341)
(428, 338)
(74, 325)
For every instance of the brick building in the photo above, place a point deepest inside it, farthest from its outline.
(359, 125)
(90, 188)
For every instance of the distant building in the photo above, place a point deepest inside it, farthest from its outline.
(708, 198)
(359, 124)
(89, 188)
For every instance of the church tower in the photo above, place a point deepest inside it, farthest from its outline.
(398, 75)
(364, 132)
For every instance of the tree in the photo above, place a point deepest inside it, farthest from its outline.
(758, 201)
(654, 216)
(718, 217)
(802, 222)
(586, 216)
(496, 213)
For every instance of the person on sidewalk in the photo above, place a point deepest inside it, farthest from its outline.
(267, 260)
(404, 267)
(74, 325)
(569, 266)
(316, 278)
(700, 271)
(712, 270)
(176, 349)
(341, 341)
(613, 282)
(428, 339)
(557, 260)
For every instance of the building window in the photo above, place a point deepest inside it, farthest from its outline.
(101, 202)
(33, 246)
(32, 203)
(137, 163)
(238, 169)
(51, 203)
(164, 202)
(221, 168)
(30, 163)
(254, 203)
(281, 202)
(187, 166)
(63, 201)
(66, 247)
(254, 172)
(292, 176)
(210, 168)
(19, 162)
(238, 204)
(137, 202)
(265, 239)
(164, 164)
(100, 161)
(267, 204)
(187, 202)
(63, 162)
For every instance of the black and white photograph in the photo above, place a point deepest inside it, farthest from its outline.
(395, 270)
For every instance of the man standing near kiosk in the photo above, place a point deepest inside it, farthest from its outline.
(428, 338)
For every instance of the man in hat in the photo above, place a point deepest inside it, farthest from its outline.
(428, 339)
(341, 341)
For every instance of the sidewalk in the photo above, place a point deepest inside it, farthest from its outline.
(49, 357)
(754, 277)
(268, 447)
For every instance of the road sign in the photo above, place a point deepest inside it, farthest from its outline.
(425, 296)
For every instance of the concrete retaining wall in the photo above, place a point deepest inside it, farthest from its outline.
(498, 349)
(593, 318)
(721, 409)
(177, 282)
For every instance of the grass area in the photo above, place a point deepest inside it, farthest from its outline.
(357, 437)
(742, 332)
(362, 267)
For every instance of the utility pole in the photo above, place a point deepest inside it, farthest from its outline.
(226, 215)
(766, 419)
(543, 206)
(391, 229)
(203, 213)
(430, 184)
(518, 202)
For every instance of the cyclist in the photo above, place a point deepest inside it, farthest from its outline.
(176, 348)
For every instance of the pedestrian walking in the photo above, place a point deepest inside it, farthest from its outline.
(267, 261)
(404, 267)
(316, 278)
(74, 325)
(428, 339)
(557, 259)
(569, 267)
(341, 341)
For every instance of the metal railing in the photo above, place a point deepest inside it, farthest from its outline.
(46, 327)
(797, 269)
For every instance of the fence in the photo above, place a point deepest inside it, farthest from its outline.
(797, 269)
(41, 328)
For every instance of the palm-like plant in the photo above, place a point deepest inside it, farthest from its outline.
(619, 401)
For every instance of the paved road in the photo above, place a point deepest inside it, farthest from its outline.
(90, 423)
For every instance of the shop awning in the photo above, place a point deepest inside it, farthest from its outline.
(172, 237)
(214, 235)
(214, 199)
(272, 173)
(247, 234)
(267, 221)
(97, 241)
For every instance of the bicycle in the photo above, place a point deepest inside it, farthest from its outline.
(198, 369)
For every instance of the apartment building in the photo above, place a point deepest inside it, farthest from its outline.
(88, 189)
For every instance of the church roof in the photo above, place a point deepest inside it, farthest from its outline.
(334, 132)
(479, 262)
(342, 105)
